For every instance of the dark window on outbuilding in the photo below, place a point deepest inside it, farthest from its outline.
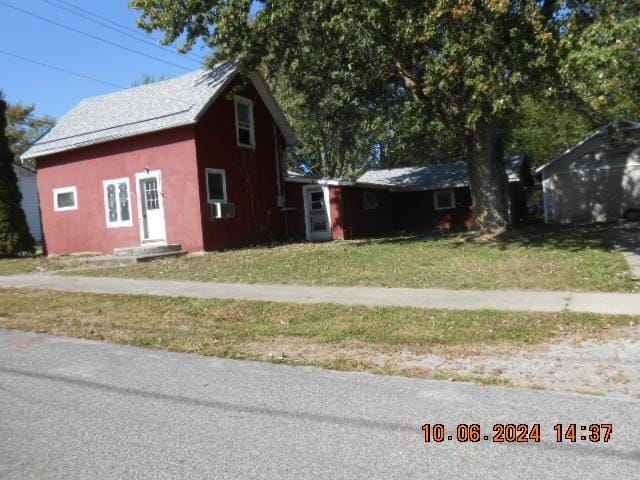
(444, 199)
(369, 201)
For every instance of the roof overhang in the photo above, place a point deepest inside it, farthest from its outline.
(331, 182)
(276, 112)
(98, 141)
(622, 125)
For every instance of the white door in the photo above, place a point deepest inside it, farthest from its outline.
(152, 223)
(317, 218)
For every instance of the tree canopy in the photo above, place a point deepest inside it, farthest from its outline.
(24, 127)
(387, 78)
(15, 237)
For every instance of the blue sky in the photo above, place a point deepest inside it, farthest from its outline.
(54, 92)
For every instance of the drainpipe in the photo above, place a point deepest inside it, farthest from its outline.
(281, 195)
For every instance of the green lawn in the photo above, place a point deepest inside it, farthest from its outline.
(315, 334)
(38, 263)
(543, 258)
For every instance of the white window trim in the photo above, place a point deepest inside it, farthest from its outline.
(224, 184)
(452, 195)
(371, 203)
(119, 223)
(314, 237)
(57, 191)
(252, 134)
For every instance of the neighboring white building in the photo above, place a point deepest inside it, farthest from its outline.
(598, 180)
(30, 205)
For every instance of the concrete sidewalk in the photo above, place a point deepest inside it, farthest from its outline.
(514, 300)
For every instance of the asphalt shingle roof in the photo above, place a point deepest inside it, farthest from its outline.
(433, 177)
(148, 108)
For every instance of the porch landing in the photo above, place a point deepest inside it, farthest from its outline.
(138, 254)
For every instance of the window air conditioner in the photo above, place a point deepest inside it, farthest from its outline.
(222, 210)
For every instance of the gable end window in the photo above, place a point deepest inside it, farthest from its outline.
(369, 201)
(117, 202)
(216, 185)
(65, 198)
(444, 199)
(244, 122)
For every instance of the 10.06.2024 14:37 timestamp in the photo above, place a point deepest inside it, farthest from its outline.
(517, 433)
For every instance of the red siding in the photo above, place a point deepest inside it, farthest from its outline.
(415, 212)
(84, 230)
(361, 222)
(251, 175)
(336, 209)
(349, 218)
(295, 223)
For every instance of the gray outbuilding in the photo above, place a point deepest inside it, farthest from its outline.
(597, 180)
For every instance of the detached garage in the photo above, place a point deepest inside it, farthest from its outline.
(597, 180)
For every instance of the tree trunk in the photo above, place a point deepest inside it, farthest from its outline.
(489, 183)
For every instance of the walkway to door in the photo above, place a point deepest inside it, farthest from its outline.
(509, 300)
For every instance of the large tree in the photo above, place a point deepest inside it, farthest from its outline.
(465, 65)
(14, 231)
(545, 127)
(24, 127)
(600, 58)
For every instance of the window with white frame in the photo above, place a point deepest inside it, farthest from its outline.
(444, 199)
(65, 198)
(369, 201)
(216, 185)
(244, 122)
(117, 202)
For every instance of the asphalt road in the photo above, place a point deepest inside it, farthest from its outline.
(79, 409)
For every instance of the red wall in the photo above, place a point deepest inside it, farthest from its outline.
(251, 175)
(294, 219)
(349, 218)
(414, 211)
(84, 230)
(336, 209)
(360, 222)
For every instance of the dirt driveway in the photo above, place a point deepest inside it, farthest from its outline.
(608, 367)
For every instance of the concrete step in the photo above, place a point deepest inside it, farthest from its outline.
(143, 250)
(116, 260)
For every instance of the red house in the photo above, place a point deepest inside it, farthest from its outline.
(195, 161)
(399, 200)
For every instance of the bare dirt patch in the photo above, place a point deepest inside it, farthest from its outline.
(604, 366)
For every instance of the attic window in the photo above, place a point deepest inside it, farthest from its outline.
(369, 201)
(444, 199)
(244, 122)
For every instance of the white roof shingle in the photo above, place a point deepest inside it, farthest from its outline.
(433, 177)
(148, 108)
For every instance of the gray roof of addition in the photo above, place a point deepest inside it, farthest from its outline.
(433, 177)
(148, 108)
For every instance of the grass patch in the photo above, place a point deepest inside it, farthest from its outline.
(541, 257)
(39, 263)
(328, 335)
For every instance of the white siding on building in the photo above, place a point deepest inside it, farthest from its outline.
(29, 189)
(596, 181)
